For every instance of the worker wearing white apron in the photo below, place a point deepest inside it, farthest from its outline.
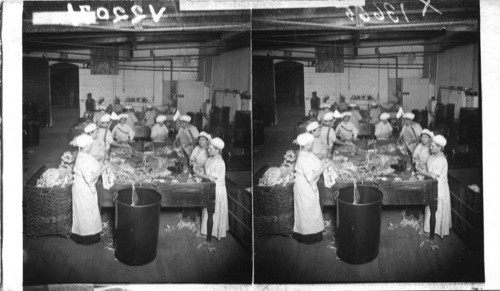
(327, 132)
(346, 130)
(149, 115)
(99, 114)
(187, 135)
(104, 134)
(437, 168)
(383, 129)
(411, 131)
(308, 218)
(122, 132)
(319, 147)
(375, 113)
(159, 132)
(97, 148)
(215, 171)
(87, 225)
(423, 151)
(355, 115)
(199, 155)
(132, 119)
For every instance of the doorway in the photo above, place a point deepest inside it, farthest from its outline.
(64, 85)
(289, 80)
(289, 91)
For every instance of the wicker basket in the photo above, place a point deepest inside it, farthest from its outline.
(273, 208)
(46, 211)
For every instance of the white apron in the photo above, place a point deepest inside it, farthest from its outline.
(307, 209)
(86, 216)
(437, 164)
(215, 166)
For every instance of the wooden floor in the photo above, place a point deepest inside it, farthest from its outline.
(404, 256)
(180, 258)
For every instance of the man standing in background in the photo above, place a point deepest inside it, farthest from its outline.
(89, 103)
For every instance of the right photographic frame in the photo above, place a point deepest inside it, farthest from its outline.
(367, 144)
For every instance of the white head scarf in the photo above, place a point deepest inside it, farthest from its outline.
(161, 118)
(439, 140)
(90, 128)
(82, 140)
(385, 116)
(304, 139)
(218, 143)
(312, 126)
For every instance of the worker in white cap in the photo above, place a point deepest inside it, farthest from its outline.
(150, 115)
(374, 113)
(437, 168)
(319, 146)
(99, 114)
(215, 171)
(187, 135)
(87, 225)
(122, 131)
(159, 132)
(199, 155)
(327, 132)
(132, 119)
(342, 106)
(410, 133)
(104, 133)
(423, 151)
(355, 115)
(383, 129)
(97, 149)
(346, 130)
(308, 218)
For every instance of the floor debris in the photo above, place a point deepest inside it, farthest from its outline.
(331, 246)
(210, 247)
(107, 236)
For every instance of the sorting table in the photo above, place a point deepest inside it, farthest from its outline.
(185, 195)
(423, 192)
(403, 192)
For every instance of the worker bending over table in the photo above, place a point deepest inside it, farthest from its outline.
(411, 131)
(159, 132)
(122, 132)
(149, 115)
(327, 132)
(187, 135)
(346, 130)
(383, 129)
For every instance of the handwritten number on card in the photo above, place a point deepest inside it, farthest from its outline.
(390, 10)
(349, 13)
(364, 16)
(379, 15)
(390, 13)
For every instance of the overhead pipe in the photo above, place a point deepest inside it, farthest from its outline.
(437, 25)
(137, 59)
(360, 46)
(127, 49)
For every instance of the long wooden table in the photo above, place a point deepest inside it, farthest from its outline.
(184, 195)
(423, 192)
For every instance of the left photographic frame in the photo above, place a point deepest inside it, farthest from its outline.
(136, 143)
